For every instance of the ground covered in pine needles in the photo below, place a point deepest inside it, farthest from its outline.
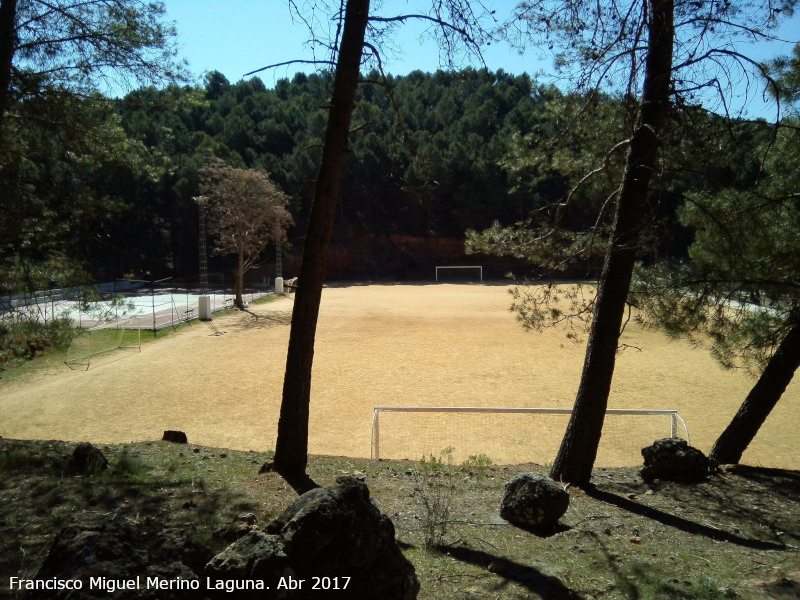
(735, 536)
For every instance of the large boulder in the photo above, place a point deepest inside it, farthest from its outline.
(114, 559)
(335, 537)
(673, 459)
(534, 502)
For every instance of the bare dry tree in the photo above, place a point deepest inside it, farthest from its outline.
(245, 211)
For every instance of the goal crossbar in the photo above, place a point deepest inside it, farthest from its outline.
(676, 421)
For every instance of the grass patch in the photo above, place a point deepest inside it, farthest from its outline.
(265, 299)
(52, 357)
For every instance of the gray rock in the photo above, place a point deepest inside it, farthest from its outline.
(118, 551)
(673, 459)
(534, 502)
(240, 526)
(256, 556)
(334, 532)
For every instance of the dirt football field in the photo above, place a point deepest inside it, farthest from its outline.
(425, 345)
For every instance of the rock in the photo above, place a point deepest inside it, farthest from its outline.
(88, 459)
(240, 526)
(673, 459)
(176, 543)
(333, 532)
(534, 502)
(119, 552)
(256, 556)
(176, 437)
(782, 585)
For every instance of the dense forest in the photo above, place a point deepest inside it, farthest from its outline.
(424, 162)
(432, 155)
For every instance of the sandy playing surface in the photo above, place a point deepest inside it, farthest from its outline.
(378, 345)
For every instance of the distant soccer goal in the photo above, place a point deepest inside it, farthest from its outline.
(513, 435)
(104, 342)
(459, 273)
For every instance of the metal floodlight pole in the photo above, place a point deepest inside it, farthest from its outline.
(203, 252)
(278, 257)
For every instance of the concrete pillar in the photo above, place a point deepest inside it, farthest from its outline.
(204, 308)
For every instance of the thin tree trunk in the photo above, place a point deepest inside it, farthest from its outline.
(238, 285)
(578, 450)
(755, 409)
(291, 448)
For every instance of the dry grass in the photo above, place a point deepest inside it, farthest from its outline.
(377, 345)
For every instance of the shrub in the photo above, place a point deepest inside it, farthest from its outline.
(435, 490)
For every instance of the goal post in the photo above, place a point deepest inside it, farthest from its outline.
(473, 267)
(102, 340)
(513, 435)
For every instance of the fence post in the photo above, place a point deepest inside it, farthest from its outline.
(153, 299)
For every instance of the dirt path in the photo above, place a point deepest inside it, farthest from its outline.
(377, 345)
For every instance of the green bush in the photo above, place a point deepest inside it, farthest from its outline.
(24, 338)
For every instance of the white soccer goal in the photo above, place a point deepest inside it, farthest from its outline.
(102, 340)
(473, 267)
(513, 435)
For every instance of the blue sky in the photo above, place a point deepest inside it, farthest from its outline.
(240, 36)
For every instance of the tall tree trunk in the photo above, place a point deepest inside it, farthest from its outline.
(755, 409)
(8, 18)
(291, 448)
(578, 450)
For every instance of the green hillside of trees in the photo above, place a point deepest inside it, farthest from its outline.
(432, 155)
(425, 158)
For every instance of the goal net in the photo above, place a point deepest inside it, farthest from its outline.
(459, 273)
(514, 435)
(103, 342)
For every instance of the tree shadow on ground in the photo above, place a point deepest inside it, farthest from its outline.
(778, 481)
(300, 483)
(265, 320)
(538, 581)
(680, 523)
